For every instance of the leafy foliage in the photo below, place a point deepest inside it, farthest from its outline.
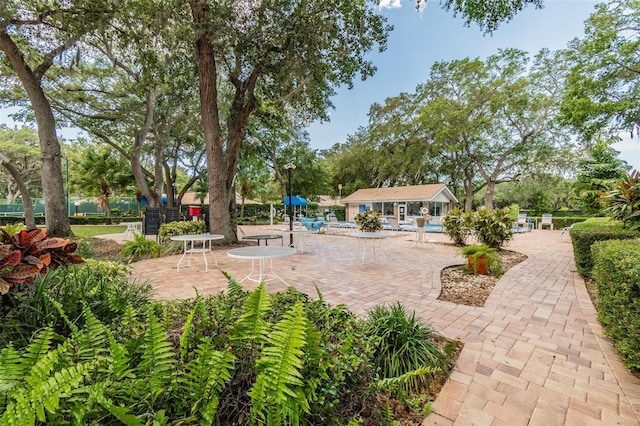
(27, 254)
(596, 175)
(493, 227)
(457, 225)
(617, 272)
(603, 86)
(168, 230)
(104, 287)
(487, 15)
(624, 200)
(368, 221)
(584, 234)
(140, 247)
(403, 345)
(292, 359)
(478, 251)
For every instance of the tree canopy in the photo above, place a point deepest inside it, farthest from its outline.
(603, 87)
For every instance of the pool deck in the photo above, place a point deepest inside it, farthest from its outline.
(535, 353)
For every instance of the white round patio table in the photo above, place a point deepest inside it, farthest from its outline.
(372, 240)
(261, 254)
(189, 247)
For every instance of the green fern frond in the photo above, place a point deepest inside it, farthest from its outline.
(278, 392)
(187, 332)
(63, 314)
(39, 394)
(130, 323)
(47, 394)
(205, 378)
(251, 324)
(12, 369)
(93, 341)
(38, 348)
(234, 288)
(97, 393)
(158, 358)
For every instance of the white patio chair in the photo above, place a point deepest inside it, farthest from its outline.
(523, 222)
(547, 220)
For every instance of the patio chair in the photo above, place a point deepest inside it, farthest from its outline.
(392, 224)
(547, 220)
(523, 224)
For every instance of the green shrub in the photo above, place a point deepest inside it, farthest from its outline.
(617, 272)
(234, 358)
(403, 344)
(140, 247)
(493, 227)
(102, 286)
(623, 200)
(368, 221)
(584, 234)
(457, 225)
(168, 230)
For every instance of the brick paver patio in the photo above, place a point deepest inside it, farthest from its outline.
(533, 355)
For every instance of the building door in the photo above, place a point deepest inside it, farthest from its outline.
(402, 211)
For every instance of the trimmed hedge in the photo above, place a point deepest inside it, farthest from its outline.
(168, 230)
(617, 272)
(584, 234)
(563, 222)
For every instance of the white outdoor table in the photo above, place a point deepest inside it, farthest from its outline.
(371, 240)
(132, 227)
(301, 233)
(190, 249)
(261, 255)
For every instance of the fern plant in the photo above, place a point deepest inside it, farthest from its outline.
(278, 393)
(140, 247)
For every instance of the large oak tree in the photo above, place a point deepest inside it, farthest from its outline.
(288, 52)
(34, 38)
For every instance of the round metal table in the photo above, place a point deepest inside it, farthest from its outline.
(371, 240)
(261, 255)
(190, 249)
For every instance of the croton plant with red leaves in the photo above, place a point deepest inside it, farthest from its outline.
(29, 253)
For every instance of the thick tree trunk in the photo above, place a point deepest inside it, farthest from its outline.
(218, 184)
(56, 214)
(29, 218)
(488, 197)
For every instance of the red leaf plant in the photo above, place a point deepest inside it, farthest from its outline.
(28, 253)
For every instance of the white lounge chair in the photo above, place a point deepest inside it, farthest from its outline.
(547, 220)
(523, 222)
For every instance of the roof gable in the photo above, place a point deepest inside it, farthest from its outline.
(401, 193)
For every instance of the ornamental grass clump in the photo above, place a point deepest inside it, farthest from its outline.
(403, 344)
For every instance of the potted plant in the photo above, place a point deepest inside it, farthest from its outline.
(368, 221)
(483, 260)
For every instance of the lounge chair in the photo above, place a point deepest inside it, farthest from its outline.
(547, 220)
(391, 224)
(523, 224)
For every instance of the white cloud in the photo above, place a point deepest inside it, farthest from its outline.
(389, 4)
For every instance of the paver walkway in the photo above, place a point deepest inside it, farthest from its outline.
(533, 355)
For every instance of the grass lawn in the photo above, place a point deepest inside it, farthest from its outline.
(87, 231)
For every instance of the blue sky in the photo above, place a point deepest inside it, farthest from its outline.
(419, 40)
